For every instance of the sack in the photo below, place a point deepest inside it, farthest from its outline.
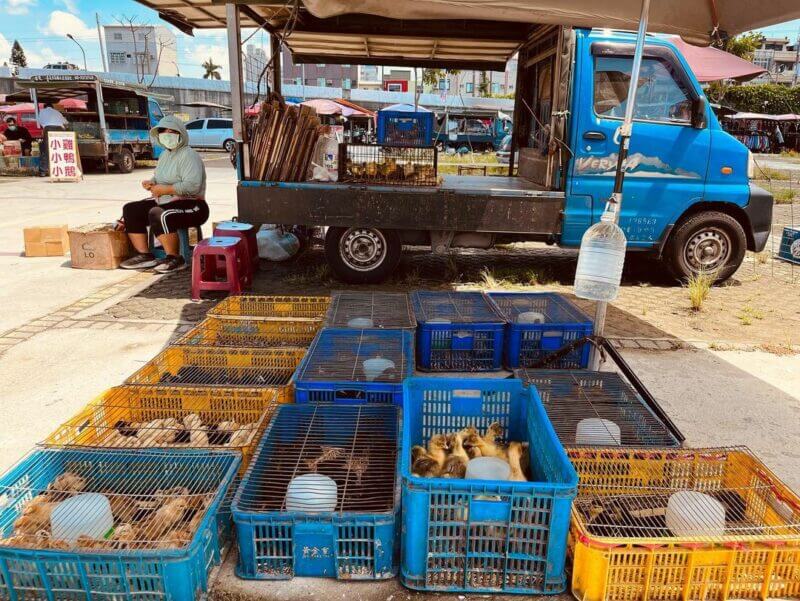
(325, 162)
(274, 244)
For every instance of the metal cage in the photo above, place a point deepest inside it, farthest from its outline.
(389, 165)
(391, 310)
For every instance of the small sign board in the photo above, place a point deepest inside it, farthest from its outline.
(65, 162)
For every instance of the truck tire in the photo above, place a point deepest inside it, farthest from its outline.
(362, 255)
(125, 161)
(228, 146)
(711, 242)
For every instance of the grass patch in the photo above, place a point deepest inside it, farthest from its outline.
(784, 196)
(748, 314)
(320, 274)
(770, 173)
(699, 287)
(508, 277)
(792, 154)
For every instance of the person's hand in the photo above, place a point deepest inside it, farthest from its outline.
(147, 185)
(158, 190)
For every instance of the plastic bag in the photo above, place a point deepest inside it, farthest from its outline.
(275, 244)
(325, 162)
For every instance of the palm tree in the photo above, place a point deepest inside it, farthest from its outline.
(212, 70)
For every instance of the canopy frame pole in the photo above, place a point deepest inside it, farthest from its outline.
(614, 204)
(233, 21)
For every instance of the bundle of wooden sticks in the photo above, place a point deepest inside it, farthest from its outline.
(282, 141)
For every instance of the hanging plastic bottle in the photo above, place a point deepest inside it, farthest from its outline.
(601, 258)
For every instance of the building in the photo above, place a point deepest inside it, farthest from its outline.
(468, 83)
(321, 75)
(142, 50)
(779, 57)
(255, 60)
(61, 66)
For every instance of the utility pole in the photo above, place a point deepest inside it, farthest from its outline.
(100, 38)
(796, 58)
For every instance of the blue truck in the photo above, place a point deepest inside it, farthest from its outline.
(474, 131)
(114, 128)
(688, 201)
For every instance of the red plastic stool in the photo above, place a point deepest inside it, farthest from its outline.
(237, 229)
(205, 273)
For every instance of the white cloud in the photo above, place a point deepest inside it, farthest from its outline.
(61, 23)
(19, 7)
(70, 5)
(5, 48)
(198, 53)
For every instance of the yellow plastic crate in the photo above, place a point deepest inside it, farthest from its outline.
(758, 556)
(272, 307)
(122, 408)
(231, 369)
(243, 332)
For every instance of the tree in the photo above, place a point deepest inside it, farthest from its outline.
(483, 86)
(18, 55)
(743, 45)
(212, 70)
(431, 77)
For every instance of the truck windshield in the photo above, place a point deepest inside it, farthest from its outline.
(661, 96)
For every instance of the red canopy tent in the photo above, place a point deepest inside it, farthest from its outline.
(713, 64)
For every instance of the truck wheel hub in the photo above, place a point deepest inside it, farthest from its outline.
(362, 250)
(708, 249)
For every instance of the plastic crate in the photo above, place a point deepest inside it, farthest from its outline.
(173, 574)
(389, 310)
(271, 307)
(358, 540)
(405, 128)
(790, 245)
(758, 557)
(253, 333)
(528, 343)
(571, 396)
(99, 423)
(334, 371)
(200, 367)
(484, 536)
(457, 331)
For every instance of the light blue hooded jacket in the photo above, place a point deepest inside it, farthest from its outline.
(182, 167)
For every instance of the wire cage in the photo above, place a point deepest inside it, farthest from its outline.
(136, 417)
(252, 333)
(256, 307)
(391, 310)
(539, 324)
(322, 498)
(99, 524)
(199, 366)
(598, 408)
(388, 165)
(458, 331)
(355, 366)
(405, 128)
(667, 524)
(487, 536)
(789, 249)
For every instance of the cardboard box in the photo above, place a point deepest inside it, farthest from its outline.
(50, 241)
(12, 148)
(98, 246)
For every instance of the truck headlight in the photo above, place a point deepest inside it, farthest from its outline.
(751, 165)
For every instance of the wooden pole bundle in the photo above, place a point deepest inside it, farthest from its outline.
(283, 141)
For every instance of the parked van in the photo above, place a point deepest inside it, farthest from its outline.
(214, 133)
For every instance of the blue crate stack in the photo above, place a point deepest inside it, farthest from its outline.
(174, 574)
(790, 245)
(344, 365)
(484, 536)
(356, 536)
(560, 322)
(457, 331)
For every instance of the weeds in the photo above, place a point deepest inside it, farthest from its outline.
(772, 174)
(699, 286)
(762, 258)
(748, 314)
(784, 195)
(510, 277)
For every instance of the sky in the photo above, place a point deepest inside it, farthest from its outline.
(41, 27)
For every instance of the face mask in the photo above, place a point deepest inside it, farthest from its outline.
(169, 141)
(12, 127)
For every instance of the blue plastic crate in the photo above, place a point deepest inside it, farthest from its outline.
(405, 128)
(333, 370)
(790, 245)
(358, 540)
(176, 574)
(528, 343)
(457, 331)
(484, 536)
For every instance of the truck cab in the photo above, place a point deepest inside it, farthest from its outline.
(688, 199)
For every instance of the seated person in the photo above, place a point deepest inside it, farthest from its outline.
(178, 190)
(17, 132)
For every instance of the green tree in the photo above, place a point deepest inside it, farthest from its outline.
(18, 55)
(212, 70)
(431, 77)
(483, 85)
(742, 45)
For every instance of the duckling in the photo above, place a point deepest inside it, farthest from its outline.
(438, 448)
(456, 464)
(423, 465)
(515, 453)
(68, 483)
(486, 445)
(35, 516)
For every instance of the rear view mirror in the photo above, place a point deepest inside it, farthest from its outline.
(699, 112)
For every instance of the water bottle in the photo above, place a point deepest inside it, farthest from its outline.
(600, 260)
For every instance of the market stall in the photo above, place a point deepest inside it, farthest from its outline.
(765, 133)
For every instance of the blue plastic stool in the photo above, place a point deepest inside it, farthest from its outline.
(185, 246)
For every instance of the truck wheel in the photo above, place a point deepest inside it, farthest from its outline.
(709, 242)
(362, 255)
(125, 161)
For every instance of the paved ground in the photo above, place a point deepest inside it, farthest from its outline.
(66, 335)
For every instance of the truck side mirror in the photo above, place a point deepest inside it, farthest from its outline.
(699, 105)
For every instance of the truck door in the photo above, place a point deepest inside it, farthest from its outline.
(668, 157)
